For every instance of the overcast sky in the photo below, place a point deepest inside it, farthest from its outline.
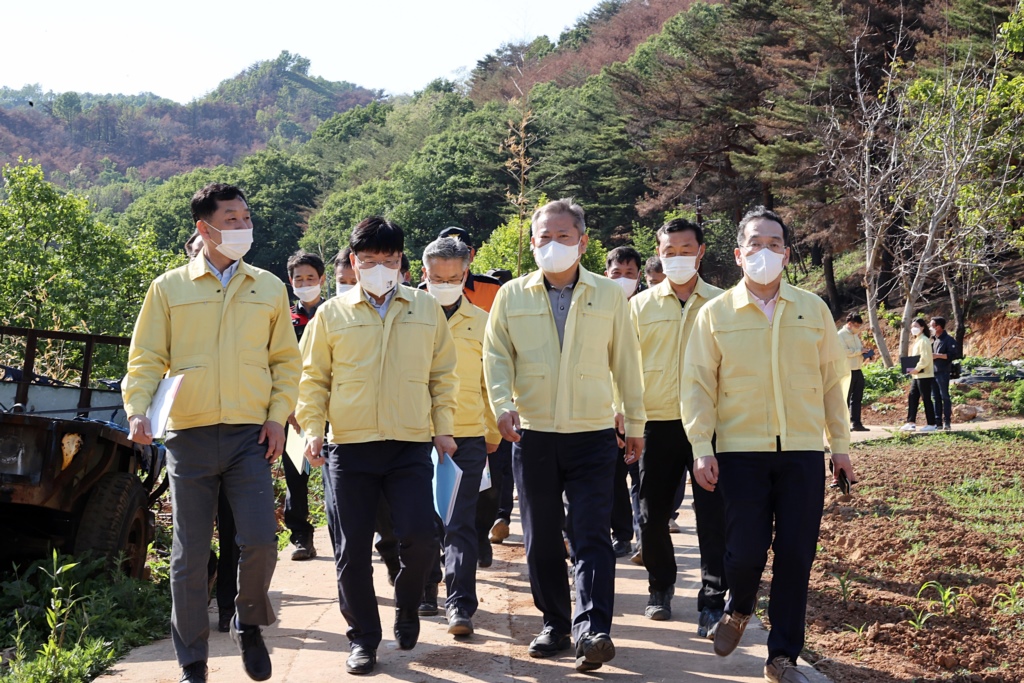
(183, 49)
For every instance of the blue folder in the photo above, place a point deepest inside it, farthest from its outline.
(447, 478)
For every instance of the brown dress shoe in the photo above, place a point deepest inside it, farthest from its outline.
(781, 670)
(728, 633)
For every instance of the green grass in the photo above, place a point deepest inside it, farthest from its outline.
(989, 505)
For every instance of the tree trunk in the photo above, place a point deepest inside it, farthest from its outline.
(871, 290)
(831, 290)
(817, 255)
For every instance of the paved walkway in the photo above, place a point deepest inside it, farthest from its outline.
(309, 646)
(876, 432)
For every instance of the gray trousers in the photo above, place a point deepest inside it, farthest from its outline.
(200, 462)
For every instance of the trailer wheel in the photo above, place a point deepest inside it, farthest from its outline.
(114, 524)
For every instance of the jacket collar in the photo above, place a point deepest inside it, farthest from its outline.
(536, 279)
(355, 295)
(701, 289)
(741, 296)
(198, 267)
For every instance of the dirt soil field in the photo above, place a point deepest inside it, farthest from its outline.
(919, 572)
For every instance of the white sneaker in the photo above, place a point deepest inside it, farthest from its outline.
(928, 428)
(909, 427)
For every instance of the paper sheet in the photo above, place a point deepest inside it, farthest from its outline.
(160, 407)
(447, 478)
(295, 449)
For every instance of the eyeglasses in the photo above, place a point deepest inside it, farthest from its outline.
(392, 263)
(777, 246)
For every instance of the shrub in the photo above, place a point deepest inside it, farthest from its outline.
(880, 381)
(1017, 398)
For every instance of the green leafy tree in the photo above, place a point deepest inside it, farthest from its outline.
(509, 245)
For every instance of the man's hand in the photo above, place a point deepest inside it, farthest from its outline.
(273, 434)
(445, 445)
(620, 430)
(634, 447)
(140, 430)
(491, 448)
(705, 472)
(841, 463)
(294, 423)
(314, 451)
(508, 423)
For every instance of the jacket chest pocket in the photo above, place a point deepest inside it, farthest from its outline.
(255, 316)
(528, 329)
(352, 343)
(801, 335)
(737, 341)
(415, 342)
(189, 315)
(594, 334)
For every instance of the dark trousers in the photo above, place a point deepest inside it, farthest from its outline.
(677, 500)
(787, 489)
(625, 505)
(496, 502)
(227, 561)
(921, 389)
(855, 396)
(940, 392)
(387, 546)
(201, 462)
(581, 465)
(360, 474)
(296, 503)
(460, 535)
(664, 464)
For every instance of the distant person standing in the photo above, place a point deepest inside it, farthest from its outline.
(559, 344)
(765, 375)
(225, 326)
(653, 272)
(379, 366)
(944, 352)
(922, 377)
(849, 335)
(306, 276)
(664, 318)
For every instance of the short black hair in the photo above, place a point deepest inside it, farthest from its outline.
(624, 255)
(405, 263)
(342, 259)
(204, 201)
(854, 318)
(765, 213)
(941, 322)
(680, 225)
(500, 274)
(653, 265)
(458, 233)
(304, 258)
(377, 235)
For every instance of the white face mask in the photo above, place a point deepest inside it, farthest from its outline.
(445, 294)
(233, 243)
(679, 269)
(379, 280)
(555, 257)
(307, 294)
(763, 266)
(343, 288)
(628, 285)
(915, 330)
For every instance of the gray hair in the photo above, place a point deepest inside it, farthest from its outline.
(447, 249)
(568, 207)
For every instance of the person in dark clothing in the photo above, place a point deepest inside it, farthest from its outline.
(944, 352)
(306, 276)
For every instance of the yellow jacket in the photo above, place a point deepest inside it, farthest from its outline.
(922, 347)
(474, 416)
(568, 389)
(663, 327)
(852, 345)
(374, 379)
(749, 380)
(235, 348)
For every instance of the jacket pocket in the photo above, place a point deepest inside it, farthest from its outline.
(529, 329)
(198, 393)
(414, 405)
(353, 406)
(592, 392)
(742, 408)
(533, 391)
(254, 379)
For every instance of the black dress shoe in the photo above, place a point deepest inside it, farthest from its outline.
(224, 619)
(193, 673)
(361, 660)
(428, 605)
(486, 557)
(659, 605)
(407, 627)
(255, 658)
(548, 643)
(593, 650)
(459, 623)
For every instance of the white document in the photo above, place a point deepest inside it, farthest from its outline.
(160, 406)
(295, 449)
(485, 476)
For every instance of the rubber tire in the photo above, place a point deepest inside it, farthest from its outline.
(114, 524)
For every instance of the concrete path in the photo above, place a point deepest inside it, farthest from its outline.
(309, 646)
(876, 432)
